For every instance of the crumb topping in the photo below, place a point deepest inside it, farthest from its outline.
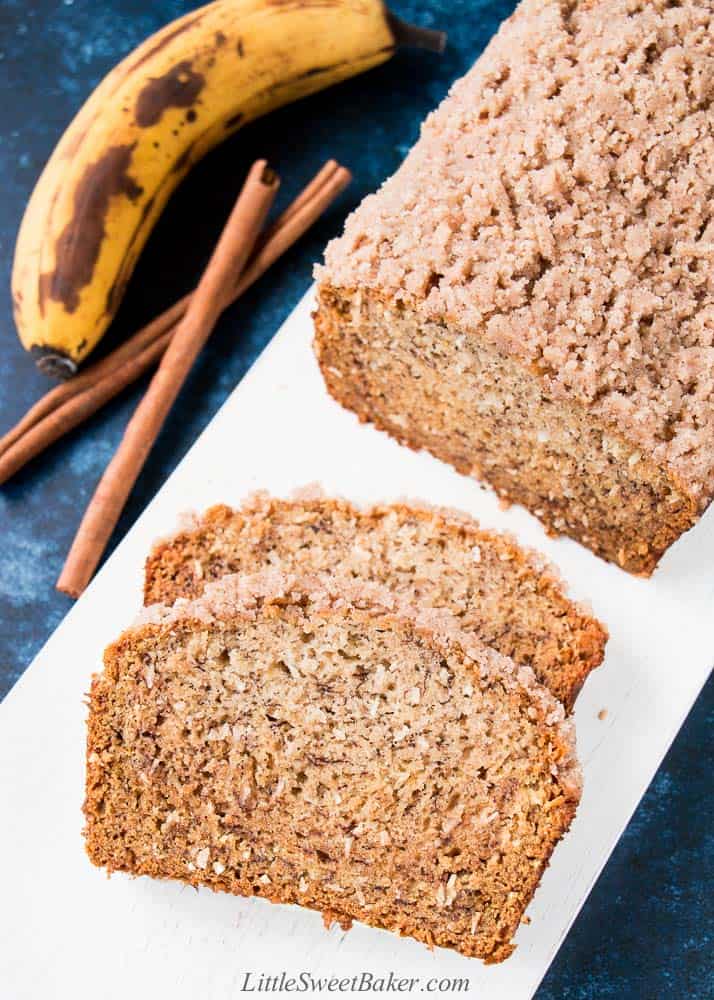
(558, 205)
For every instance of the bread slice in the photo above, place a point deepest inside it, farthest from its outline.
(530, 297)
(313, 742)
(511, 599)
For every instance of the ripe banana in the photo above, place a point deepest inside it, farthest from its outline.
(161, 109)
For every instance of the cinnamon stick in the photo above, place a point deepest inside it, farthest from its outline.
(137, 343)
(53, 399)
(77, 407)
(193, 330)
(323, 175)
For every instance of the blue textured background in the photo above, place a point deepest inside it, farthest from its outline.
(646, 930)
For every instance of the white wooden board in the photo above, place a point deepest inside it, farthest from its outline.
(67, 931)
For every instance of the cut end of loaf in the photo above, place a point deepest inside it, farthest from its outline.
(548, 241)
(313, 742)
(434, 388)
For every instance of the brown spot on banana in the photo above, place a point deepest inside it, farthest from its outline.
(78, 246)
(168, 37)
(76, 136)
(178, 88)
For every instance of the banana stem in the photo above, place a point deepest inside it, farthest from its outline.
(415, 37)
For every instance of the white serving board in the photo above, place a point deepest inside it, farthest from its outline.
(67, 931)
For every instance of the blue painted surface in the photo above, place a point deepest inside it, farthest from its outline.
(646, 929)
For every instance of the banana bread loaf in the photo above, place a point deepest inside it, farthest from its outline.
(531, 296)
(511, 599)
(315, 743)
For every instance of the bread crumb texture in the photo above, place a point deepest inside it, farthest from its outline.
(558, 207)
(508, 597)
(320, 742)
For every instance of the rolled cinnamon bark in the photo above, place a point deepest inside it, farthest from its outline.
(67, 405)
(206, 305)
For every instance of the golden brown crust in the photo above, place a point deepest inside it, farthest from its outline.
(160, 803)
(526, 615)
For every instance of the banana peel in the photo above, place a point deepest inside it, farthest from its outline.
(181, 93)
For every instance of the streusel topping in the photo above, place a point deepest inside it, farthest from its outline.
(559, 205)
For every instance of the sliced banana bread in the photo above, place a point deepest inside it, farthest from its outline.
(531, 296)
(510, 598)
(314, 742)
